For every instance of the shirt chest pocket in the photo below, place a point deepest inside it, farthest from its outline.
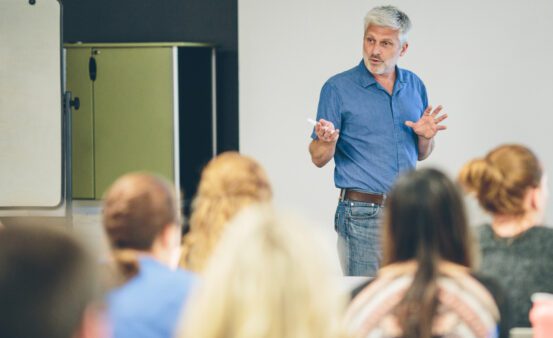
(367, 117)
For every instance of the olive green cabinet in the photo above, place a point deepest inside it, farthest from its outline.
(131, 107)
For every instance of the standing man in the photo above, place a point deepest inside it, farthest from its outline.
(375, 121)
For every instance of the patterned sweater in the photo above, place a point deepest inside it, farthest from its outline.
(465, 307)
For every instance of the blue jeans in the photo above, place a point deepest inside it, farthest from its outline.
(358, 228)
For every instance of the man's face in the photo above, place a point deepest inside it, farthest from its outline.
(382, 49)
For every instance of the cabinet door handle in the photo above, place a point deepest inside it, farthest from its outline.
(92, 68)
(75, 103)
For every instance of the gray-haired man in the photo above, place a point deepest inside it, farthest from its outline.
(375, 121)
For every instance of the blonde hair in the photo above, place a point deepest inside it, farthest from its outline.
(228, 183)
(501, 180)
(265, 280)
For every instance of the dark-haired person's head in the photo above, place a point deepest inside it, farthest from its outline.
(141, 214)
(425, 223)
(48, 286)
(426, 251)
(425, 219)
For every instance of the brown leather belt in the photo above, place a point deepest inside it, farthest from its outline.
(352, 195)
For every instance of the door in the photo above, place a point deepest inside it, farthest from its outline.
(133, 113)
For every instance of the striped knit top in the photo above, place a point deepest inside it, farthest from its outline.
(465, 307)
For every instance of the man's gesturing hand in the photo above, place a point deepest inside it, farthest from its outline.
(428, 125)
(326, 132)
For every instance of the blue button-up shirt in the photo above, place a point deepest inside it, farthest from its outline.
(375, 145)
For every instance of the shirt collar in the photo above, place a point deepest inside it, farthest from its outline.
(367, 79)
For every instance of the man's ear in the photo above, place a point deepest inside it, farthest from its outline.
(404, 48)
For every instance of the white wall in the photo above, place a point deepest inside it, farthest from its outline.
(490, 63)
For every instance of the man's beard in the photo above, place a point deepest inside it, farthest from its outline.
(378, 70)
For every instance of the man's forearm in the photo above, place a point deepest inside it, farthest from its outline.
(425, 147)
(321, 152)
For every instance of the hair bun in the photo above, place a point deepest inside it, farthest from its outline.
(501, 179)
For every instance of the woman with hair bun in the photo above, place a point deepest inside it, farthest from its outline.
(510, 184)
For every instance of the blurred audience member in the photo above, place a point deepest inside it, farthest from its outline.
(510, 184)
(266, 279)
(142, 221)
(425, 287)
(228, 183)
(48, 286)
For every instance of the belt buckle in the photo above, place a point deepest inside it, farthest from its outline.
(383, 200)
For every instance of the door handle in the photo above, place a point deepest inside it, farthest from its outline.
(92, 68)
(75, 103)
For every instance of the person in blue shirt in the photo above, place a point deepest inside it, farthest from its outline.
(141, 220)
(375, 121)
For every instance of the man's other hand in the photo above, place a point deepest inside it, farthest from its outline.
(429, 123)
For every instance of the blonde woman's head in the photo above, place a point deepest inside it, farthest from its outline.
(503, 178)
(228, 183)
(268, 279)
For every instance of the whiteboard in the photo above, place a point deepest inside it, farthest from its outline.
(31, 167)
